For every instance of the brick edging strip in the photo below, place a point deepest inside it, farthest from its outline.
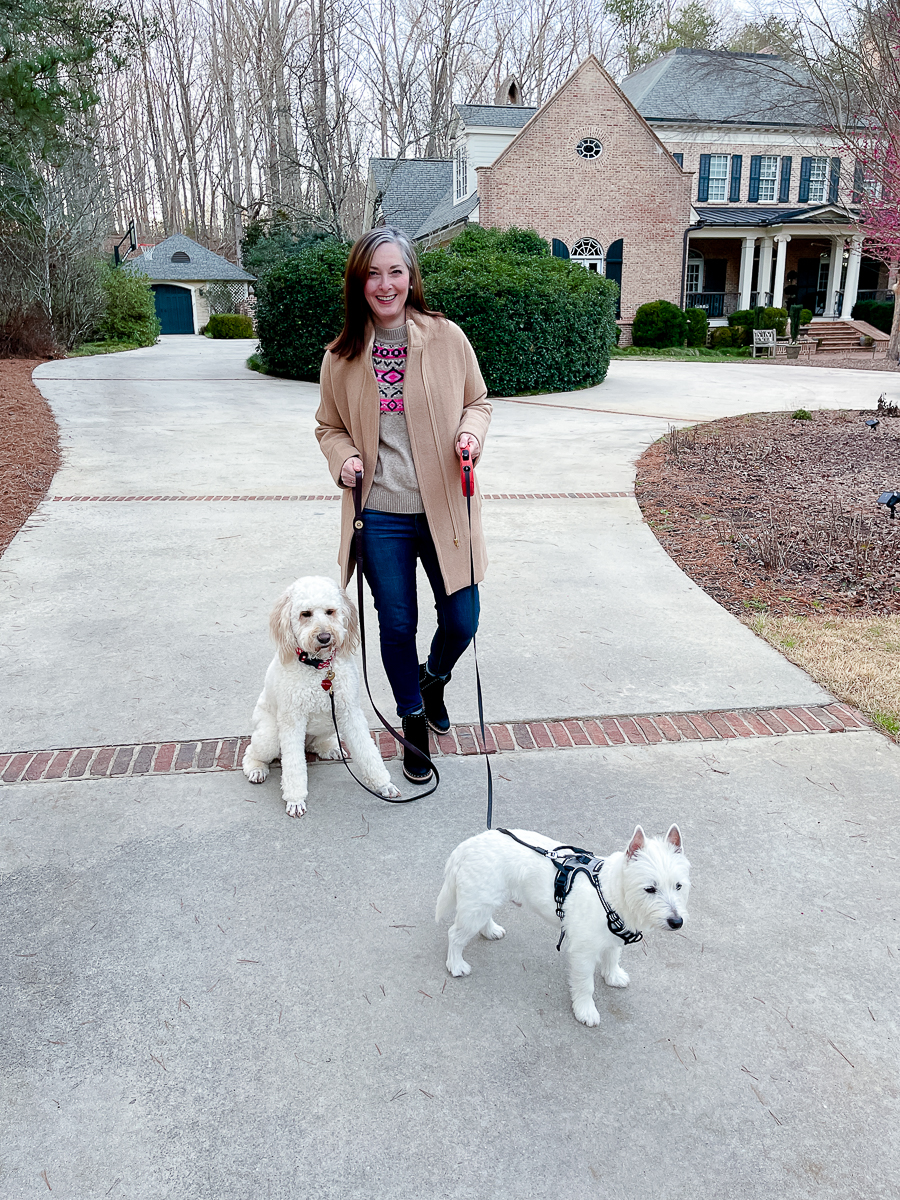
(224, 754)
(487, 496)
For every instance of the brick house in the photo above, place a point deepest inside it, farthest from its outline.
(704, 178)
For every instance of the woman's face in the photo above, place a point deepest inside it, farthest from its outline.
(388, 286)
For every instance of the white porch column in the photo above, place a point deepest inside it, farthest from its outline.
(834, 275)
(781, 241)
(746, 278)
(851, 287)
(764, 274)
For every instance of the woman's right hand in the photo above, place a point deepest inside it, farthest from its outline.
(349, 470)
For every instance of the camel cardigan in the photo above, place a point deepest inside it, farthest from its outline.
(444, 395)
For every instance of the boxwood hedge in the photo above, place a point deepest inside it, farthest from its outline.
(659, 323)
(536, 323)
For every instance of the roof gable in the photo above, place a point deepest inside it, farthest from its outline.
(180, 257)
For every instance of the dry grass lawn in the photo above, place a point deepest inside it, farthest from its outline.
(856, 658)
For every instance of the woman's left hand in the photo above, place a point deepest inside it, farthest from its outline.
(466, 441)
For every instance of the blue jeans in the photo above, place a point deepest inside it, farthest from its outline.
(392, 544)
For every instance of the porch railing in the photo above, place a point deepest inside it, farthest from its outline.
(880, 294)
(715, 304)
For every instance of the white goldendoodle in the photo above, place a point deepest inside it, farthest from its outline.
(314, 620)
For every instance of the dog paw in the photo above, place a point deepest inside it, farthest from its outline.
(586, 1013)
(617, 978)
(389, 791)
(328, 752)
(295, 808)
(458, 969)
(256, 771)
(493, 932)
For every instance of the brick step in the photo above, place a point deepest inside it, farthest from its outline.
(839, 336)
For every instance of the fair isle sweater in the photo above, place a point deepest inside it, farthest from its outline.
(395, 487)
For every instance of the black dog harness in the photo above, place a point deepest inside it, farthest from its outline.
(576, 862)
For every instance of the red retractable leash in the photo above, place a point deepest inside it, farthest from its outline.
(467, 479)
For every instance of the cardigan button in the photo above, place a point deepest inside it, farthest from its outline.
(357, 524)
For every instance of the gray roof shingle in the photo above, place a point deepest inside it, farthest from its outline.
(767, 216)
(203, 265)
(410, 188)
(721, 87)
(446, 213)
(505, 116)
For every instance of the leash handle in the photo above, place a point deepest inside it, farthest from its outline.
(466, 473)
(358, 529)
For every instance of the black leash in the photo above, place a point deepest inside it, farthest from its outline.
(467, 476)
(358, 531)
(576, 862)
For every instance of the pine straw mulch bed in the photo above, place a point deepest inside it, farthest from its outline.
(29, 446)
(773, 514)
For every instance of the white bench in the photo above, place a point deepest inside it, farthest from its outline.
(764, 339)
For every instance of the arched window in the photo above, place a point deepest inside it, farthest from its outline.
(589, 253)
(693, 281)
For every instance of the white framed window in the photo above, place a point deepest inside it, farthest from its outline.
(460, 173)
(768, 176)
(818, 180)
(718, 177)
(693, 280)
(589, 253)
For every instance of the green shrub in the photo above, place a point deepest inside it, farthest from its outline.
(300, 308)
(795, 312)
(744, 317)
(774, 318)
(659, 323)
(879, 313)
(805, 317)
(698, 326)
(536, 323)
(229, 325)
(130, 314)
(802, 414)
(722, 338)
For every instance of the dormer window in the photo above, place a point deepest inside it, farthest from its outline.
(181, 256)
(460, 173)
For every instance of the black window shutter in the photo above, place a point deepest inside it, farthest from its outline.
(614, 270)
(703, 179)
(679, 158)
(784, 190)
(859, 182)
(735, 193)
(835, 181)
(753, 191)
(805, 168)
(560, 249)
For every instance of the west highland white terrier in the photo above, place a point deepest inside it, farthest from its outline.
(647, 885)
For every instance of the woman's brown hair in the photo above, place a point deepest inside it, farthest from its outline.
(357, 314)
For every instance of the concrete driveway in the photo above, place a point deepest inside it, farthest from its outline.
(202, 998)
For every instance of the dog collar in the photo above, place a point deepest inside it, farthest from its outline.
(320, 664)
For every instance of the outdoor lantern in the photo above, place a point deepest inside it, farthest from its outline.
(873, 423)
(890, 499)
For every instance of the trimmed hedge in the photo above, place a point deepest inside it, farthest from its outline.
(536, 323)
(229, 325)
(659, 323)
(879, 313)
(300, 309)
(130, 314)
(698, 326)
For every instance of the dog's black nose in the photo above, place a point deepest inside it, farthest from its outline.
(324, 638)
(675, 922)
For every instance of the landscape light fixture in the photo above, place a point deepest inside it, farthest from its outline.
(891, 499)
(873, 423)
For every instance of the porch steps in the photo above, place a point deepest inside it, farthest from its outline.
(842, 337)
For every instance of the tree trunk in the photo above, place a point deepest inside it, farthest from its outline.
(893, 351)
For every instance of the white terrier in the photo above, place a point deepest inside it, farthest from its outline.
(316, 629)
(647, 885)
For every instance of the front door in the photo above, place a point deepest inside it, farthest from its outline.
(174, 308)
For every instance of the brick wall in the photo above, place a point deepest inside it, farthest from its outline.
(634, 190)
(730, 145)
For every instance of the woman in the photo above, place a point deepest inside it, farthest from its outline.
(402, 397)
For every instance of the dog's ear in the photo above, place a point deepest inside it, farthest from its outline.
(636, 843)
(673, 837)
(280, 628)
(351, 616)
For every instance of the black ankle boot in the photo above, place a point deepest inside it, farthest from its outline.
(432, 689)
(416, 767)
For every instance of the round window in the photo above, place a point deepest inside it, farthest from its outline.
(589, 147)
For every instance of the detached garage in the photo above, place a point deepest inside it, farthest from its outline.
(191, 282)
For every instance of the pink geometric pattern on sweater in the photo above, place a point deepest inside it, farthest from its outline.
(389, 362)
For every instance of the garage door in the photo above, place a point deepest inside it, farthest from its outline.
(174, 308)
